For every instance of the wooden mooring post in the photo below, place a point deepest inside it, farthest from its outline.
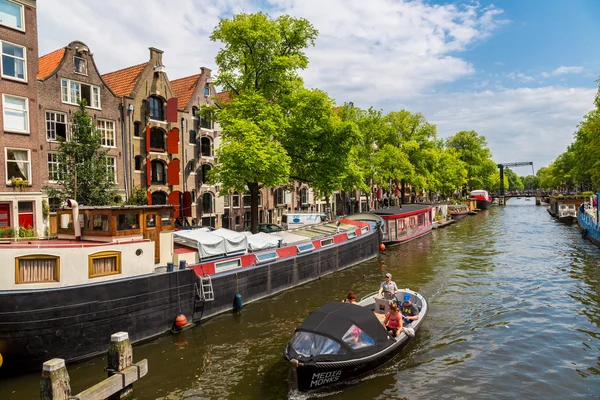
(122, 372)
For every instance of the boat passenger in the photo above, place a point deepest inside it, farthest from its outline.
(393, 320)
(351, 298)
(388, 286)
(410, 312)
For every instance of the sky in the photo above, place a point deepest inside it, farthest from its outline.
(520, 73)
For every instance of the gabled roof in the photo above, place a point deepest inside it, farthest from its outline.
(184, 88)
(224, 97)
(48, 63)
(123, 81)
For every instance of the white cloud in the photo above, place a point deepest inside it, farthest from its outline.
(520, 76)
(562, 71)
(523, 124)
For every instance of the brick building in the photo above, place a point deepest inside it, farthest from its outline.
(20, 157)
(66, 76)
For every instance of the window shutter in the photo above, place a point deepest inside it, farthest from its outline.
(172, 109)
(173, 141)
(174, 200)
(149, 198)
(148, 172)
(173, 173)
(187, 204)
(147, 138)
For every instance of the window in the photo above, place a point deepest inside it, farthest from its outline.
(111, 169)
(205, 147)
(192, 137)
(99, 223)
(194, 196)
(247, 220)
(226, 200)
(157, 139)
(137, 128)
(303, 248)
(237, 219)
(356, 338)
(227, 265)
(264, 257)
(247, 200)
(205, 121)
(138, 163)
(18, 164)
(104, 263)
(207, 90)
(303, 196)
(311, 344)
(326, 242)
(421, 219)
(207, 203)
(158, 173)
(11, 14)
(56, 126)
(156, 108)
(235, 200)
(279, 197)
(80, 65)
(126, 222)
(159, 198)
(107, 132)
(16, 113)
(166, 218)
(72, 92)
(205, 169)
(37, 269)
(54, 169)
(14, 62)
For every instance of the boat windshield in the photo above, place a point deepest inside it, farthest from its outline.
(356, 338)
(310, 344)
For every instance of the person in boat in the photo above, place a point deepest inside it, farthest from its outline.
(393, 321)
(351, 298)
(410, 312)
(388, 285)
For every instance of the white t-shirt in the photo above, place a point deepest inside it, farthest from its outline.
(389, 287)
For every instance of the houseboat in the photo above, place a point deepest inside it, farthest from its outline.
(565, 209)
(108, 271)
(482, 197)
(404, 223)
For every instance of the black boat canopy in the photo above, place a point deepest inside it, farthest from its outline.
(355, 329)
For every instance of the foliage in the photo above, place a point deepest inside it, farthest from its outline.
(27, 232)
(7, 232)
(450, 172)
(45, 210)
(530, 182)
(473, 151)
(83, 170)
(138, 197)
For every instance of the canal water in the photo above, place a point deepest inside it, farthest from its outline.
(514, 314)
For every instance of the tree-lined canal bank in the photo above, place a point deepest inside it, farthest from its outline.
(514, 298)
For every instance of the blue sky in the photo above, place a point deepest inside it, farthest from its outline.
(520, 72)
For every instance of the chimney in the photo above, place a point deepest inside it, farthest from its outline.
(156, 55)
(205, 71)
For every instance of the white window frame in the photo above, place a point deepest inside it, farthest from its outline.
(53, 121)
(24, 60)
(114, 166)
(27, 124)
(84, 63)
(22, 29)
(228, 265)
(54, 163)
(67, 96)
(101, 125)
(6, 161)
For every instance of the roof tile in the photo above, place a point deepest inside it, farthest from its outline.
(224, 97)
(48, 63)
(184, 89)
(123, 81)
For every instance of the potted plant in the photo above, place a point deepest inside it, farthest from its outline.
(19, 183)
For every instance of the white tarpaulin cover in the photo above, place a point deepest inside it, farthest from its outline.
(234, 241)
(263, 241)
(208, 245)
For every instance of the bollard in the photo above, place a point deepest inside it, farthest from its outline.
(182, 264)
(120, 356)
(55, 383)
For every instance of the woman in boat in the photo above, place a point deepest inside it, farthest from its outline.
(393, 320)
(351, 298)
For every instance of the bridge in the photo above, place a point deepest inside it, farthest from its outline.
(503, 195)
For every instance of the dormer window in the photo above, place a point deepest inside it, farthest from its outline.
(156, 108)
(80, 65)
(207, 90)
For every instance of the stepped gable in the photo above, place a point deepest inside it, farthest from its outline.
(184, 89)
(48, 63)
(122, 82)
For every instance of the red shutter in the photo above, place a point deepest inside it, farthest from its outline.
(174, 200)
(149, 198)
(172, 110)
(173, 173)
(148, 172)
(173, 141)
(147, 138)
(187, 204)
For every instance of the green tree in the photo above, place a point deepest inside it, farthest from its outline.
(450, 172)
(83, 172)
(514, 182)
(138, 197)
(474, 152)
(530, 182)
(258, 65)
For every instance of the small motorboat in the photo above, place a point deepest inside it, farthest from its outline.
(342, 341)
(458, 211)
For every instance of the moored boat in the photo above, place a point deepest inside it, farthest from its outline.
(458, 211)
(72, 293)
(341, 341)
(587, 219)
(482, 197)
(404, 223)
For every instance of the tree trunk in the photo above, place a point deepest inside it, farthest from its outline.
(402, 191)
(254, 192)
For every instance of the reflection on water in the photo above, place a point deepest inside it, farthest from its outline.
(514, 313)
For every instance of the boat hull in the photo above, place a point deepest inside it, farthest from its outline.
(458, 216)
(588, 228)
(484, 204)
(76, 323)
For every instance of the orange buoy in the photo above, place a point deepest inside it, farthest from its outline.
(0, 359)
(382, 247)
(181, 320)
